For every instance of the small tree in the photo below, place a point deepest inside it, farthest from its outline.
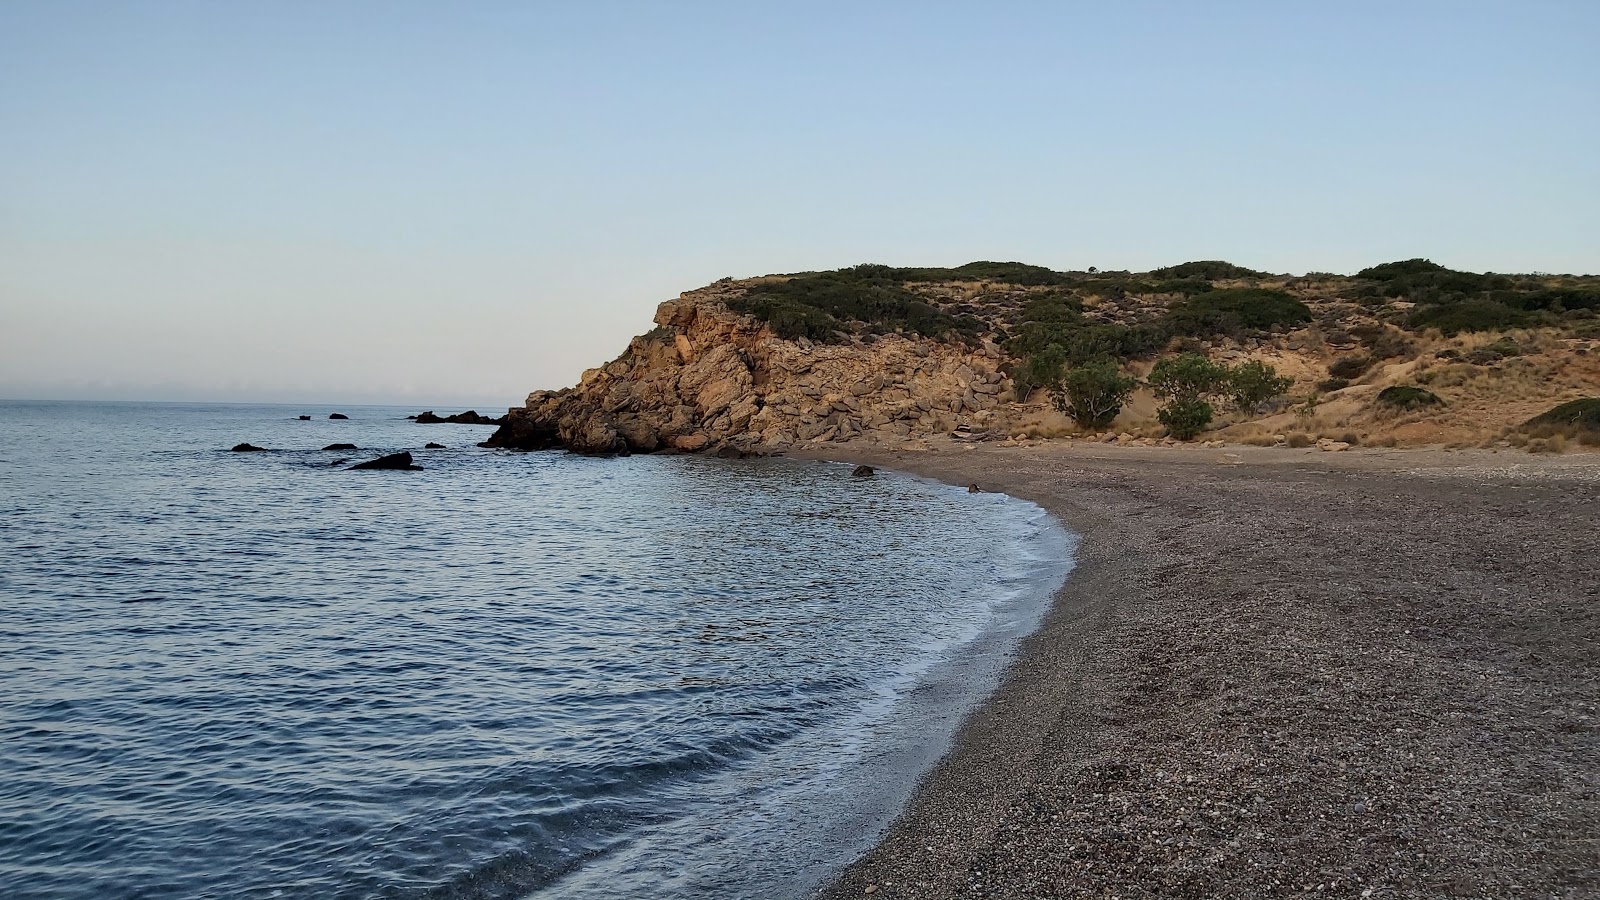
(1042, 369)
(1184, 381)
(1093, 394)
(1253, 383)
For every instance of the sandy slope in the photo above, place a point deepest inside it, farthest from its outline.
(1278, 673)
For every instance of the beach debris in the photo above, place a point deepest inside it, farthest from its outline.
(400, 461)
(247, 448)
(341, 447)
(863, 472)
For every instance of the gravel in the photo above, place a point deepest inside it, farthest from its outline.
(1280, 674)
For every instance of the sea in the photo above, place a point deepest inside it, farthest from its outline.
(507, 675)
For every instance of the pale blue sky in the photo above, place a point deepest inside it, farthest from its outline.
(437, 203)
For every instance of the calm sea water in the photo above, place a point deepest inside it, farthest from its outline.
(508, 675)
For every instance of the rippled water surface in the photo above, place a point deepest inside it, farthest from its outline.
(258, 675)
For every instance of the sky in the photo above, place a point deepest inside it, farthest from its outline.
(457, 203)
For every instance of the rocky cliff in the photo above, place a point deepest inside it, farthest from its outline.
(708, 378)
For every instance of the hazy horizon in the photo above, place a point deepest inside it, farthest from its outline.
(393, 203)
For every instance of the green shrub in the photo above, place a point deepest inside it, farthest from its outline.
(1093, 394)
(1039, 370)
(816, 304)
(1185, 418)
(1253, 383)
(1328, 386)
(1408, 397)
(1187, 376)
(1235, 310)
(1583, 415)
(1207, 269)
(1468, 315)
(1348, 367)
(1184, 381)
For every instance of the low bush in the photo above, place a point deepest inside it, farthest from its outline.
(1330, 385)
(1093, 394)
(1468, 315)
(1578, 415)
(1350, 367)
(1207, 269)
(1235, 310)
(816, 305)
(1408, 397)
(1185, 419)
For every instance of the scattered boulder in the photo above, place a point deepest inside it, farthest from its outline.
(341, 447)
(339, 462)
(470, 417)
(863, 472)
(338, 416)
(248, 448)
(392, 461)
(432, 446)
(305, 418)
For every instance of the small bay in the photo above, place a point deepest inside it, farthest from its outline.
(261, 675)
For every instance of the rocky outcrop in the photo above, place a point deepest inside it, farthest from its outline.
(392, 461)
(470, 417)
(248, 448)
(341, 447)
(338, 416)
(708, 378)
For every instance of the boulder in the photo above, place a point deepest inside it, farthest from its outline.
(247, 448)
(470, 417)
(305, 418)
(401, 461)
(432, 446)
(337, 416)
(341, 447)
(863, 472)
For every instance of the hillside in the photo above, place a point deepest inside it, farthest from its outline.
(1401, 354)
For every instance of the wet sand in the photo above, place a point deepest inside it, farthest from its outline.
(1278, 673)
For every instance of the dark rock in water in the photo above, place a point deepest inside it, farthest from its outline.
(470, 417)
(248, 448)
(392, 461)
(305, 418)
(432, 446)
(864, 472)
(338, 416)
(339, 462)
(341, 447)
(974, 489)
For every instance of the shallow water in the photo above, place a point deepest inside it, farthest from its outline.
(257, 675)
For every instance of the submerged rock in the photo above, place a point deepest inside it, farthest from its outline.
(248, 448)
(305, 418)
(338, 416)
(863, 472)
(432, 446)
(341, 447)
(400, 461)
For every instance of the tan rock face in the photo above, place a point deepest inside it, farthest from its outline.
(711, 378)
